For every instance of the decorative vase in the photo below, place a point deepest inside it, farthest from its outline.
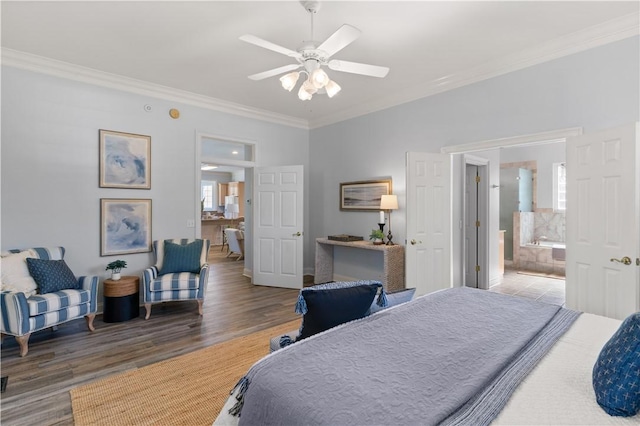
(115, 276)
(377, 242)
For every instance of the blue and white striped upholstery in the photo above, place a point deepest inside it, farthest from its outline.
(21, 316)
(174, 286)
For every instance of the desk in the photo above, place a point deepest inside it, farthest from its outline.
(121, 299)
(211, 229)
(393, 275)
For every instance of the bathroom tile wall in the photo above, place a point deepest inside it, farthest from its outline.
(549, 225)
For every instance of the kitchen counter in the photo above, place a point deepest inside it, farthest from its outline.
(212, 229)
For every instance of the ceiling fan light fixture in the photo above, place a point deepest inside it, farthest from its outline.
(319, 78)
(332, 88)
(289, 80)
(303, 95)
(309, 87)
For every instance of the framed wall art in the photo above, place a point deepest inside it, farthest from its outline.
(125, 160)
(364, 195)
(125, 226)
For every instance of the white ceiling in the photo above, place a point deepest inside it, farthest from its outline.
(193, 46)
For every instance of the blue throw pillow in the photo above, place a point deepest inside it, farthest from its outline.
(394, 299)
(616, 374)
(51, 275)
(181, 257)
(328, 308)
(301, 307)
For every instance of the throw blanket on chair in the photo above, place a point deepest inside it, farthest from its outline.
(449, 356)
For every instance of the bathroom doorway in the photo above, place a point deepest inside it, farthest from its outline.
(533, 219)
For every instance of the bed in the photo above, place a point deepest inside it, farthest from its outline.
(458, 356)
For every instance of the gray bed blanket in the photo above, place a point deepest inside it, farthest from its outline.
(422, 362)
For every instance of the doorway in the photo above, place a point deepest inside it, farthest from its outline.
(224, 163)
(496, 150)
(533, 219)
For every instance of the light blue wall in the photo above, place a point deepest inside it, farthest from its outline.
(50, 193)
(594, 89)
(49, 173)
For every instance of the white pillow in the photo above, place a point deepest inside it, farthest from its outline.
(15, 273)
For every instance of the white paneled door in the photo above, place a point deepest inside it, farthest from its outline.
(428, 247)
(603, 222)
(278, 226)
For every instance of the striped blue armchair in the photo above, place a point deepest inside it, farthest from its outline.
(181, 272)
(22, 314)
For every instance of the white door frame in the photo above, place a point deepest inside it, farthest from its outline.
(226, 162)
(483, 216)
(553, 136)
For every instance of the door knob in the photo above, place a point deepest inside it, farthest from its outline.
(625, 260)
(297, 234)
(414, 242)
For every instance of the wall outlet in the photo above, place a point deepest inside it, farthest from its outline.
(191, 223)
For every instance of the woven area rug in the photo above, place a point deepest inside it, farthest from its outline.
(186, 390)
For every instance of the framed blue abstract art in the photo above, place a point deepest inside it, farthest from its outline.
(125, 160)
(125, 226)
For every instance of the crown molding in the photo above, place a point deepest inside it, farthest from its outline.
(598, 35)
(595, 36)
(39, 64)
(552, 136)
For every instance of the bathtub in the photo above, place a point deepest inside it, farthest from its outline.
(551, 244)
(547, 257)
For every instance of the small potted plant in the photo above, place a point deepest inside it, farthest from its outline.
(115, 267)
(377, 236)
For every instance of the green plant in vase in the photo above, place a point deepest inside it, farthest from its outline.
(115, 267)
(376, 236)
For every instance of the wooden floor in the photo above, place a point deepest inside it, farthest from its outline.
(38, 388)
(39, 384)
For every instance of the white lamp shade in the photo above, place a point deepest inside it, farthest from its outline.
(289, 80)
(319, 78)
(389, 202)
(332, 88)
(309, 87)
(303, 95)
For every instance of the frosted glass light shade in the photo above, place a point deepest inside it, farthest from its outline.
(289, 80)
(319, 78)
(332, 88)
(309, 87)
(389, 202)
(303, 95)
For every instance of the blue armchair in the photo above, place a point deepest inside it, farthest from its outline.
(181, 272)
(26, 312)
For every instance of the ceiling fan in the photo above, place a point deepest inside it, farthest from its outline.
(312, 56)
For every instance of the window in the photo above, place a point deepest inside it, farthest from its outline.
(559, 187)
(207, 195)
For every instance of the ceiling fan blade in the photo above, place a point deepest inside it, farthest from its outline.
(275, 71)
(268, 45)
(337, 41)
(357, 68)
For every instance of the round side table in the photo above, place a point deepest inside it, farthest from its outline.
(121, 299)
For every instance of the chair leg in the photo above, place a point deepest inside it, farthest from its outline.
(200, 302)
(147, 306)
(89, 318)
(224, 238)
(23, 341)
